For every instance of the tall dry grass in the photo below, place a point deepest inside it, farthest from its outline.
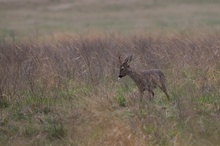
(66, 87)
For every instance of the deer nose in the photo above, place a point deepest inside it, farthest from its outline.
(119, 77)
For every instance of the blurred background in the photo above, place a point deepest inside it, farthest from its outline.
(40, 17)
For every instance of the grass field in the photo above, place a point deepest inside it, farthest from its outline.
(40, 17)
(64, 91)
(59, 69)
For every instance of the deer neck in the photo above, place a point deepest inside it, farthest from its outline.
(135, 76)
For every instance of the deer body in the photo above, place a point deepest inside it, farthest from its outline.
(146, 80)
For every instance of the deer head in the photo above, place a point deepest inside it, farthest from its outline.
(124, 66)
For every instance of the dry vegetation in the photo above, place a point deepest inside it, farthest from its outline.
(62, 90)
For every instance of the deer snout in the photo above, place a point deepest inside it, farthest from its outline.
(119, 77)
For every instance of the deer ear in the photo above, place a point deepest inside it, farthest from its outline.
(128, 59)
(119, 59)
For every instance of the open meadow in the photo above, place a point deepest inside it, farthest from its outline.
(59, 68)
(42, 17)
(64, 90)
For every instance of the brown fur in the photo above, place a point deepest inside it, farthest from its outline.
(146, 81)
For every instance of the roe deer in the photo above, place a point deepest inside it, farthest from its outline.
(146, 80)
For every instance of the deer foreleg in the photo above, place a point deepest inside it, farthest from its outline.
(141, 98)
(151, 94)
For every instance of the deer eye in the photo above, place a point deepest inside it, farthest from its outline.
(122, 68)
